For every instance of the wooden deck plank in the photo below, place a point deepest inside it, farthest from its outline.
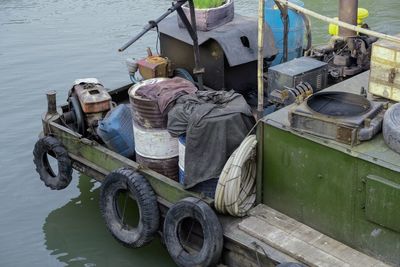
(251, 244)
(291, 245)
(300, 241)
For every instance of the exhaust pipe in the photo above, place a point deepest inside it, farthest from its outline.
(348, 13)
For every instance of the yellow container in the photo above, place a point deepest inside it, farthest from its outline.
(362, 14)
(384, 78)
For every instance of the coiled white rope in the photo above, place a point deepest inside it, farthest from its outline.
(236, 191)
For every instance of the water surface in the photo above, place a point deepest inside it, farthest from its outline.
(47, 44)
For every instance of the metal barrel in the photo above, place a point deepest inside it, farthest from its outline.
(146, 112)
(155, 143)
(167, 167)
(156, 149)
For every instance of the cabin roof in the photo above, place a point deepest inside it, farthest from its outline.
(228, 36)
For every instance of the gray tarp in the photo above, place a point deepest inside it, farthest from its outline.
(228, 37)
(215, 123)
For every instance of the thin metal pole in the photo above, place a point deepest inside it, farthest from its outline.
(285, 34)
(260, 65)
(285, 19)
(198, 71)
(153, 23)
(348, 13)
(260, 106)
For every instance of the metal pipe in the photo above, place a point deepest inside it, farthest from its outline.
(348, 14)
(51, 102)
(198, 70)
(153, 23)
(285, 19)
(285, 34)
(260, 98)
(260, 66)
(192, 30)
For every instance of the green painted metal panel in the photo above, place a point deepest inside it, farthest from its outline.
(308, 183)
(326, 189)
(103, 158)
(383, 202)
(370, 237)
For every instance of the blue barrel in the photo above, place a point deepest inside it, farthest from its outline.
(207, 187)
(116, 131)
(296, 30)
(182, 148)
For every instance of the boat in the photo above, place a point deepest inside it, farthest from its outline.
(314, 182)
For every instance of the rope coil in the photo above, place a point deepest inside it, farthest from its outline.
(236, 191)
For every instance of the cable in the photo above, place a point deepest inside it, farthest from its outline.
(236, 191)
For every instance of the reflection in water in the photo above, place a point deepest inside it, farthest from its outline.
(77, 236)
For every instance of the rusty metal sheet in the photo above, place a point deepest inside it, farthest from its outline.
(167, 167)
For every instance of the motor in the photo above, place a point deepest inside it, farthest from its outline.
(88, 102)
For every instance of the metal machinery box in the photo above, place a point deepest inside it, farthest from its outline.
(341, 116)
(227, 53)
(385, 70)
(350, 193)
(292, 73)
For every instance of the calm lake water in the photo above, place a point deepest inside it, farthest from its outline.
(47, 44)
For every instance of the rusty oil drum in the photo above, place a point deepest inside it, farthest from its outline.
(156, 149)
(146, 112)
(166, 167)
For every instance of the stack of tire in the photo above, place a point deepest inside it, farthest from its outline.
(391, 127)
(189, 223)
(154, 146)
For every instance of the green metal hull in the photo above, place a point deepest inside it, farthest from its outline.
(335, 191)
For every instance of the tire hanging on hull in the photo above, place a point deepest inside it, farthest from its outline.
(193, 211)
(138, 188)
(50, 145)
(391, 127)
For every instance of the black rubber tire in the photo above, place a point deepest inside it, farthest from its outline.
(140, 190)
(391, 127)
(50, 145)
(191, 207)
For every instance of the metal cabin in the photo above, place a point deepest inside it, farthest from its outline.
(230, 51)
(347, 192)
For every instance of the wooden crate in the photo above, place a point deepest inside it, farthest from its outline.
(385, 70)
